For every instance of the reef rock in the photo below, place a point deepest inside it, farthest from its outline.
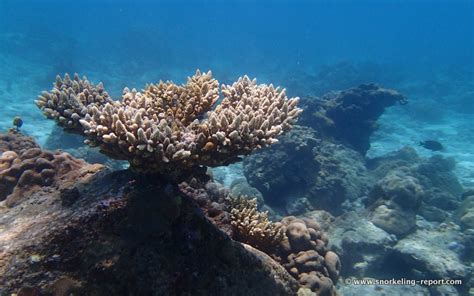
(15, 141)
(411, 185)
(361, 245)
(349, 117)
(126, 234)
(303, 166)
(426, 254)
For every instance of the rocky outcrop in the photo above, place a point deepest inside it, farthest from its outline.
(302, 172)
(349, 117)
(125, 235)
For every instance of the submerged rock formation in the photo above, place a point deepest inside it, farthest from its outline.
(303, 172)
(102, 233)
(349, 116)
(299, 245)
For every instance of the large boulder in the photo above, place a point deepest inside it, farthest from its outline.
(121, 234)
(302, 171)
(349, 116)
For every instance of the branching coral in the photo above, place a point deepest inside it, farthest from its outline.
(167, 126)
(252, 226)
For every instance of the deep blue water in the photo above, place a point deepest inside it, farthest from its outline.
(235, 37)
(424, 49)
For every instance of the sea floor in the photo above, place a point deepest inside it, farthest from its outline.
(424, 118)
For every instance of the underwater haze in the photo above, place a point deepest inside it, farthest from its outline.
(422, 48)
(386, 136)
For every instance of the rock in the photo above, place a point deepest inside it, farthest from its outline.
(298, 206)
(347, 289)
(465, 213)
(391, 218)
(361, 246)
(127, 234)
(302, 167)
(428, 252)
(349, 116)
(241, 187)
(323, 218)
(467, 220)
(399, 187)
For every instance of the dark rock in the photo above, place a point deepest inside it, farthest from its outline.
(349, 117)
(427, 251)
(361, 245)
(125, 235)
(301, 166)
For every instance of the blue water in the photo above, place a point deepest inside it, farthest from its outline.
(423, 49)
(261, 38)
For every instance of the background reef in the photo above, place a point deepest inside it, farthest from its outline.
(348, 192)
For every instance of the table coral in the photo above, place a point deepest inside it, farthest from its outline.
(169, 127)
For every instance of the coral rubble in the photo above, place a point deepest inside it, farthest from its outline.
(169, 127)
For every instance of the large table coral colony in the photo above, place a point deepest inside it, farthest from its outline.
(170, 127)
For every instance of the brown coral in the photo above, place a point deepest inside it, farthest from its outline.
(252, 226)
(168, 127)
(15, 141)
(34, 167)
(303, 252)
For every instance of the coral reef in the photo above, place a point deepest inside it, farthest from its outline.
(298, 244)
(398, 197)
(252, 226)
(15, 141)
(20, 173)
(168, 127)
(414, 186)
(125, 235)
(302, 172)
(287, 162)
(349, 117)
(304, 253)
